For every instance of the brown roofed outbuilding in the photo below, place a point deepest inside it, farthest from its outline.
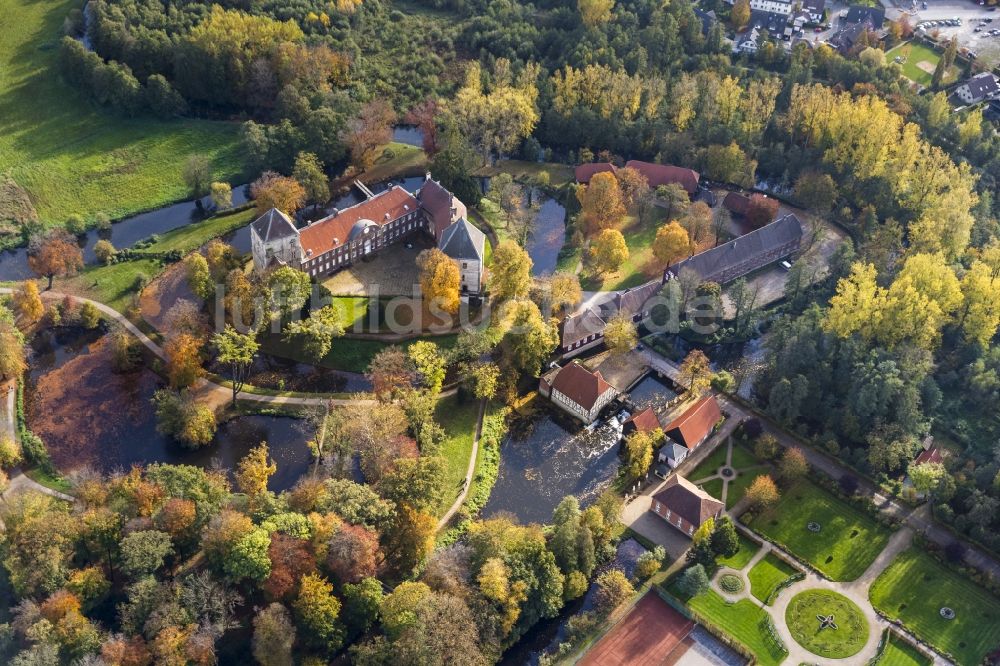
(694, 425)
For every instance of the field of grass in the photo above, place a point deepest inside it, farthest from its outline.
(527, 172)
(632, 273)
(767, 575)
(73, 158)
(115, 285)
(348, 354)
(352, 310)
(738, 486)
(459, 422)
(713, 488)
(915, 587)
(748, 548)
(898, 652)
(742, 620)
(912, 54)
(709, 465)
(848, 540)
(744, 457)
(838, 642)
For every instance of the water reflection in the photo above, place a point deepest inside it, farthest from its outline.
(546, 458)
(548, 234)
(14, 263)
(88, 415)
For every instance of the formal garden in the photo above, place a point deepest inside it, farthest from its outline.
(833, 536)
(827, 624)
(767, 576)
(949, 611)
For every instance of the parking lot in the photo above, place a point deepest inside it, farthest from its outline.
(972, 16)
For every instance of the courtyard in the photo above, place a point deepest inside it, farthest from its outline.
(391, 272)
(918, 62)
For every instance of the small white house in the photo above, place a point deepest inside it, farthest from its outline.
(980, 87)
(577, 391)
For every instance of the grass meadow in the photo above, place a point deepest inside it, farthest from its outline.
(848, 540)
(73, 158)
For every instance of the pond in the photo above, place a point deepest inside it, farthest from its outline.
(126, 233)
(546, 458)
(548, 234)
(408, 134)
(651, 391)
(88, 415)
(281, 374)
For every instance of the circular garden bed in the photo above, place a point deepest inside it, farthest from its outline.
(731, 583)
(827, 624)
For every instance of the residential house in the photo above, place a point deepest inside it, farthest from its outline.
(585, 172)
(980, 87)
(645, 420)
(359, 231)
(748, 43)
(696, 423)
(684, 505)
(666, 174)
(577, 391)
(672, 454)
(745, 254)
(708, 19)
(584, 330)
(581, 331)
(770, 6)
(931, 455)
(815, 9)
(874, 16)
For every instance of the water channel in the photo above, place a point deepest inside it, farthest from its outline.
(88, 415)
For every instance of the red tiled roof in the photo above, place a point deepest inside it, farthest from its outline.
(736, 203)
(332, 232)
(664, 174)
(688, 501)
(585, 172)
(438, 202)
(644, 421)
(931, 455)
(691, 427)
(580, 385)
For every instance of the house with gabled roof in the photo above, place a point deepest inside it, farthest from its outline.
(644, 420)
(577, 391)
(696, 423)
(684, 505)
(584, 172)
(982, 86)
(347, 236)
(581, 331)
(666, 174)
(729, 261)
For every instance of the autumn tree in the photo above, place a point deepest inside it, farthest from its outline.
(254, 471)
(145, 551)
(697, 222)
(613, 589)
(440, 280)
(695, 372)
(609, 251)
(595, 12)
(620, 334)
(291, 558)
(602, 205)
(671, 243)
(423, 116)
(308, 172)
(237, 351)
(180, 417)
(528, 338)
(429, 363)
(739, 16)
(273, 636)
(675, 197)
(198, 276)
(317, 612)
(272, 190)
(793, 464)
(368, 131)
(564, 290)
(55, 254)
(27, 302)
(510, 275)
(496, 120)
(222, 196)
(105, 251)
(761, 210)
(763, 492)
(289, 289)
(816, 191)
(633, 185)
(183, 360)
(411, 538)
(638, 457)
(353, 553)
(390, 370)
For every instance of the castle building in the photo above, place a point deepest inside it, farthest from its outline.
(359, 231)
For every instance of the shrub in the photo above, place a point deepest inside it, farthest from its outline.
(693, 581)
(613, 589)
(731, 583)
(105, 251)
(766, 447)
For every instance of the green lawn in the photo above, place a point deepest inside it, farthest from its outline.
(521, 171)
(742, 620)
(709, 465)
(713, 488)
(841, 641)
(898, 652)
(632, 273)
(349, 354)
(915, 587)
(744, 457)
(748, 548)
(848, 540)
(353, 309)
(73, 158)
(767, 575)
(459, 422)
(115, 284)
(913, 54)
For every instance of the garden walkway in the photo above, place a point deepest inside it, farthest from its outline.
(470, 473)
(203, 384)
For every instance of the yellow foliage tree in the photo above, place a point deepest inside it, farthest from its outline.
(671, 243)
(28, 303)
(183, 360)
(601, 203)
(254, 471)
(439, 280)
(609, 251)
(595, 12)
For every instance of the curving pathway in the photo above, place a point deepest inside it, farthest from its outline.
(203, 385)
(460, 500)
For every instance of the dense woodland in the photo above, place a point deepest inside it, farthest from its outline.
(897, 343)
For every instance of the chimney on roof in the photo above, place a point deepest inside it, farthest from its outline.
(427, 176)
(387, 216)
